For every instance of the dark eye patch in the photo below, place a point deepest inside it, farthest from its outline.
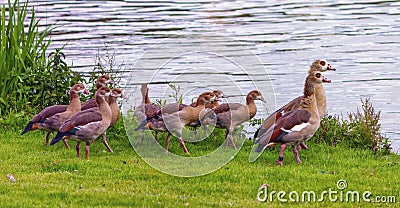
(318, 75)
(322, 63)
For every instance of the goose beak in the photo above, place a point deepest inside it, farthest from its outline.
(111, 81)
(326, 80)
(86, 92)
(330, 67)
(262, 99)
(122, 95)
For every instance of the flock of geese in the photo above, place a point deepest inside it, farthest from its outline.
(83, 122)
(291, 125)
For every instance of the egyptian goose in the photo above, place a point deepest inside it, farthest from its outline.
(51, 118)
(211, 105)
(230, 115)
(112, 102)
(318, 65)
(146, 111)
(175, 119)
(115, 111)
(86, 126)
(298, 125)
(214, 104)
(101, 81)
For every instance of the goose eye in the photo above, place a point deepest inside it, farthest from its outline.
(318, 75)
(322, 63)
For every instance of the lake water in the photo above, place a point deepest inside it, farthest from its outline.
(238, 45)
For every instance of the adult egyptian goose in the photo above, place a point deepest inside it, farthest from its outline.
(51, 118)
(298, 125)
(230, 115)
(101, 81)
(318, 65)
(175, 119)
(86, 126)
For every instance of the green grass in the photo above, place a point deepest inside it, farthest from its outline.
(54, 177)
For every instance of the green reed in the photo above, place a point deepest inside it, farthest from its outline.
(22, 54)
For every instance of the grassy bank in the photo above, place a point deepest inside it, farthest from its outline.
(53, 176)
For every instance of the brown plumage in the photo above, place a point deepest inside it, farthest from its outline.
(175, 119)
(318, 65)
(213, 104)
(51, 118)
(86, 126)
(298, 125)
(146, 111)
(230, 115)
(101, 81)
(115, 112)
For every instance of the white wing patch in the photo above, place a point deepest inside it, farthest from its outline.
(297, 127)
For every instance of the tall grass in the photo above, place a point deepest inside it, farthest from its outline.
(30, 80)
(22, 54)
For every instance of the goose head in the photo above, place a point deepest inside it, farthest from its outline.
(103, 80)
(79, 88)
(206, 97)
(256, 95)
(117, 92)
(219, 94)
(103, 92)
(318, 78)
(321, 65)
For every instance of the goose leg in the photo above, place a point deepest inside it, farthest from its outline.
(167, 142)
(226, 138)
(48, 138)
(78, 147)
(87, 149)
(156, 137)
(229, 138)
(280, 159)
(296, 155)
(302, 146)
(106, 143)
(65, 143)
(183, 146)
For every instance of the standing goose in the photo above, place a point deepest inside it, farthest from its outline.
(87, 125)
(115, 111)
(175, 119)
(230, 115)
(52, 117)
(146, 111)
(211, 105)
(101, 81)
(318, 65)
(296, 126)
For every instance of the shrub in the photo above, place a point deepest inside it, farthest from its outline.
(361, 130)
